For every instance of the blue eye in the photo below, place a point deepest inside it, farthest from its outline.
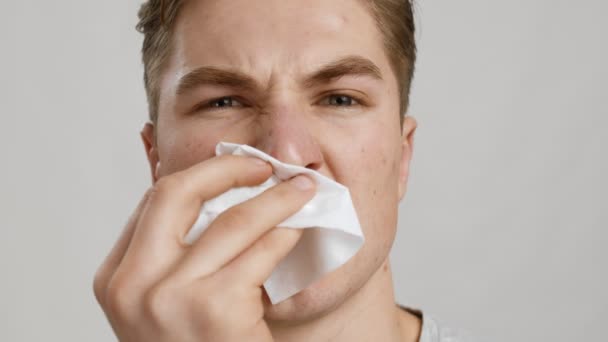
(341, 101)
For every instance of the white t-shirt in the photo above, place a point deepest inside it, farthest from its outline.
(433, 331)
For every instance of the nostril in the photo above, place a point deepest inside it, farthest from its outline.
(314, 166)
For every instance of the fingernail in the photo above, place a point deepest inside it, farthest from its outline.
(302, 182)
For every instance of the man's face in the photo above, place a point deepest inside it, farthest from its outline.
(347, 127)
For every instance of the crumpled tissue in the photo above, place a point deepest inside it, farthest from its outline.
(332, 231)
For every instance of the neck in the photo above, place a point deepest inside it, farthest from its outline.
(368, 315)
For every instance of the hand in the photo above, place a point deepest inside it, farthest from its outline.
(153, 287)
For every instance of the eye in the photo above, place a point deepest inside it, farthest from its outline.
(222, 102)
(340, 100)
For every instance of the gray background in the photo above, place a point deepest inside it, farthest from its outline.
(502, 231)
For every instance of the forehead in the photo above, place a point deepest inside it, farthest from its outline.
(266, 35)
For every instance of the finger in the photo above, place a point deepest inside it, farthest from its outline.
(254, 266)
(240, 226)
(111, 262)
(173, 207)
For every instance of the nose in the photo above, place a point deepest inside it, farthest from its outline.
(288, 136)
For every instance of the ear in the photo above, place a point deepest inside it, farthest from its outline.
(407, 151)
(149, 140)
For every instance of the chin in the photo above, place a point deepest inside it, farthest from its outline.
(326, 294)
(309, 304)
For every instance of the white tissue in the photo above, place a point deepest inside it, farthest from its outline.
(333, 234)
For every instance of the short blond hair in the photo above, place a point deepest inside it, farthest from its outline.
(394, 18)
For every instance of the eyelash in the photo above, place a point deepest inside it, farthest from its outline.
(356, 101)
(210, 104)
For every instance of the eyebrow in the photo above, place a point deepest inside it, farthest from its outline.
(350, 65)
(215, 76)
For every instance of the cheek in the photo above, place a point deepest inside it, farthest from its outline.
(185, 147)
(370, 170)
(185, 143)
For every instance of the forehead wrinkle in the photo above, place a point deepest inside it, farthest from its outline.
(242, 65)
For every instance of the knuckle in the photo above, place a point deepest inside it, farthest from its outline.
(278, 240)
(214, 307)
(269, 241)
(120, 298)
(234, 217)
(99, 285)
(157, 303)
(212, 304)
